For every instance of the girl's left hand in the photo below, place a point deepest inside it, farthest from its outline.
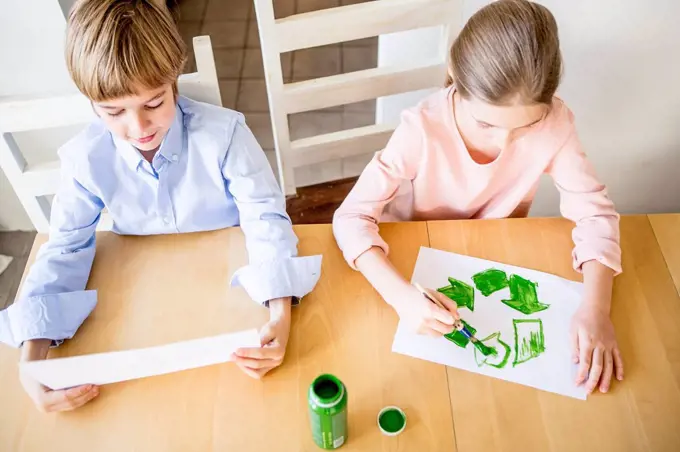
(256, 362)
(594, 348)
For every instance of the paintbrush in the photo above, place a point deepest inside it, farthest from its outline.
(458, 325)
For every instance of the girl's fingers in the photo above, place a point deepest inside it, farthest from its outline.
(448, 303)
(595, 370)
(427, 331)
(618, 364)
(573, 336)
(437, 326)
(608, 371)
(585, 357)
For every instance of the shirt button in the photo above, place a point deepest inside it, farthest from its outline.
(174, 157)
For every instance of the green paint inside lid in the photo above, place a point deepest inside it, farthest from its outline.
(391, 420)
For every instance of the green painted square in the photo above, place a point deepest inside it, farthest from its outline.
(529, 339)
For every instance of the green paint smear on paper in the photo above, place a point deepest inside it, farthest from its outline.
(483, 348)
(490, 281)
(463, 294)
(529, 339)
(459, 338)
(501, 352)
(524, 298)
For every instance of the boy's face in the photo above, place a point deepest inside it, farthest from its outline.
(142, 119)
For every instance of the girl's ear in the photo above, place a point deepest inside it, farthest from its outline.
(449, 78)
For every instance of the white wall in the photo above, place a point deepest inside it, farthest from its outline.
(621, 79)
(66, 6)
(31, 63)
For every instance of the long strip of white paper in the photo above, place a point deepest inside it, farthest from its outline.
(112, 367)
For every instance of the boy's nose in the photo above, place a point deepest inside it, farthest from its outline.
(139, 123)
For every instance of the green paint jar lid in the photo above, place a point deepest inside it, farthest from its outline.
(391, 420)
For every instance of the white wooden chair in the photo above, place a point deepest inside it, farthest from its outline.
(335, 25)
(32, 183)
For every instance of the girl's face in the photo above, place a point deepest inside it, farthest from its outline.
(142, 119)
(490, 128)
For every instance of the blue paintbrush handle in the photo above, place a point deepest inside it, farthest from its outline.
(466, 333)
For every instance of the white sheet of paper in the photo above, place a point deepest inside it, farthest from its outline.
(112, 367)
(551, 371)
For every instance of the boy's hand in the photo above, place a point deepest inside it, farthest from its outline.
(45, 399)
(256, 362)
(594, 347)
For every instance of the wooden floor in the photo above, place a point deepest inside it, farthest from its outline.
(18, 245)
(316, 204)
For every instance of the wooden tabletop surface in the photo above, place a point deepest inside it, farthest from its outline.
(640, 414)
(667, 230)
(155, 290)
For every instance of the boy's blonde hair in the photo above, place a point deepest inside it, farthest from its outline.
(507, 49)
(114, 47)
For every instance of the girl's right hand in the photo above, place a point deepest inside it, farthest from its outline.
(422, 315)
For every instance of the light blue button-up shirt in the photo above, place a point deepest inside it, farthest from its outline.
(209, 173)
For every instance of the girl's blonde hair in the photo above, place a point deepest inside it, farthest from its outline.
(114, 47)
(508, 51)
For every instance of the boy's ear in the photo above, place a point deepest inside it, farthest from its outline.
(94, 109)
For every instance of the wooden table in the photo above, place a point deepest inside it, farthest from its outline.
(640, 414)
(667, 230)
(156, 290)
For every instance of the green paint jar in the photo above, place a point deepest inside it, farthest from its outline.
(327, 400)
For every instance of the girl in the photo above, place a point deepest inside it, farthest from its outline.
(477, 149)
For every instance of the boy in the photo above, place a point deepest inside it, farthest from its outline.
(160, 164)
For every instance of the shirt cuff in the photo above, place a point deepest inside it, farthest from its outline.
(279, 278)
(55, 317)
(359, 245)
(609, 256)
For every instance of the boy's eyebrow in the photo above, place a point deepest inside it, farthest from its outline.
(155, 97)
(111, 107)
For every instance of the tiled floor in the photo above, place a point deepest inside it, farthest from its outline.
(232, 27)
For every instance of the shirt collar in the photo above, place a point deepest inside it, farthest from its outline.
(170, 148)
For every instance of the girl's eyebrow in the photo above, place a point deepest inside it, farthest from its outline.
(520, 127)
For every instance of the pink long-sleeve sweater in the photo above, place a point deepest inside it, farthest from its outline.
(426, 173)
